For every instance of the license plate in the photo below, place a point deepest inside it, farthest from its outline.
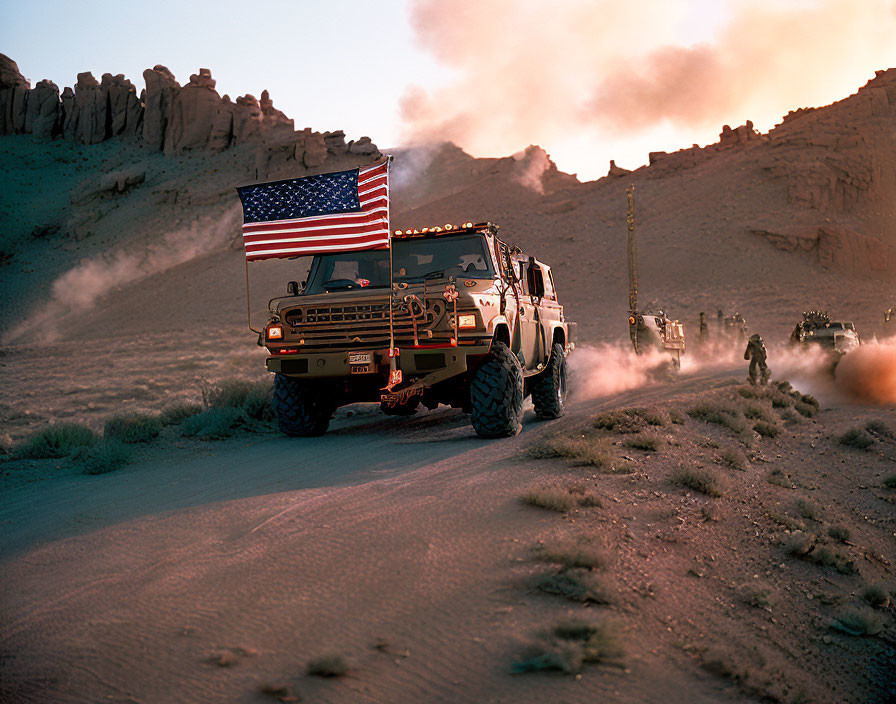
(360, 357)
(361, 368)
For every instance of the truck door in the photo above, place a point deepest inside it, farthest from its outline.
(530, 332)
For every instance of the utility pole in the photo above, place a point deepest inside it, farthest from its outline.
(632, 253)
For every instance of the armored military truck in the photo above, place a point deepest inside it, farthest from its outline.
(475, 324)
(817, 329)
(655, 331)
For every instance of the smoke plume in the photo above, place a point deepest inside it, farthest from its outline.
(79, 289)
(526, 72)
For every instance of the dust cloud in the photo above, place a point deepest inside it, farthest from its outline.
(525, 72)
(868, 374)
(606, 369)
(81, 287)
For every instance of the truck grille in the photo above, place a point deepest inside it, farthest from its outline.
(361, 325)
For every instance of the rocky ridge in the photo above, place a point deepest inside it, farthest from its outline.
(165, 117)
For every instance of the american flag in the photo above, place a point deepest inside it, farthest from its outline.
(334, 212)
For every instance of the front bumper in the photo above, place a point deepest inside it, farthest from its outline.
(413, 362)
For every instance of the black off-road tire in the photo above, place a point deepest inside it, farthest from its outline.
(302, 410)
(549, 388)
(496, 394)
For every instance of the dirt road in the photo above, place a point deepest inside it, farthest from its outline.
(264, 552)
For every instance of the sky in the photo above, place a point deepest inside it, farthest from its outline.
(588, 80)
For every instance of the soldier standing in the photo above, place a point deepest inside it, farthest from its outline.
(888, 315)
(702, 335)
(757, 354)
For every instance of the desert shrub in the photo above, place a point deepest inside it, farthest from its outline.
(783, 386)
(587, 450)
(676, 417)
(551, 655)
(575, 585)
(213, 424)
(573, 554)
(55, 441)
(550, 497)
(780, 478)
(808, 400)
(329, 665)
(878, 427)
(177, 412)
(727, 416)
(804, 409)
(754, 411)
(628, 420)
(600, 640)
(839, 533)
(253, 399)
(780, 400)
(858, 622)
(103, 457)
(748, 392)
(799, 544)
(734, 459)
(645, 442)
(132, 427)
(876, 595)
(703, 480)
(808, 509)
(766, 430)
(889, 482)
(856, 438)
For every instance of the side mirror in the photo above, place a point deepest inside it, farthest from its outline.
(292, 288)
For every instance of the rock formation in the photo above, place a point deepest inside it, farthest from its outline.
(165, 117)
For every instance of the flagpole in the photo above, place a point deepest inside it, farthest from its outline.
(248, 302)
(393, 362)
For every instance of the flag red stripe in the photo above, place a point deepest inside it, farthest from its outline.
(335, 233)
(343, 243)
(318, 248)
(377, 209)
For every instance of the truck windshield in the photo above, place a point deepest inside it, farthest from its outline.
(412, 261)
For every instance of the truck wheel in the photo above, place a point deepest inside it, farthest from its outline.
(496, 395)
(550, 387)
(301, 410)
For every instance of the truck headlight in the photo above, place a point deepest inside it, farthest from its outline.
(466, 321)
(275, 332)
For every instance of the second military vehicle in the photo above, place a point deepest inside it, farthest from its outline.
(465, 319)
(816, 329)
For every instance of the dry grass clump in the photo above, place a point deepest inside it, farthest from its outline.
(858, 622)
(876, 595)
(703, 480)
(808, 509)
(550, 497)
(839, 533)
(806, 409)
(676, 418)
(878, 427)
(570, 644)
(646, 442)
(132, 427)
(177, 412)
(572, 554)
(213, 424)
(589, 451)
(857, 438)
(754, 411)
(576, 585)
(55, 441)
(749, 392)
(766, 430)
(719, 414)
(734, 459)
(799, 544)
(105, 456)
(328, 665)
(628, 420)
(251, 398)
